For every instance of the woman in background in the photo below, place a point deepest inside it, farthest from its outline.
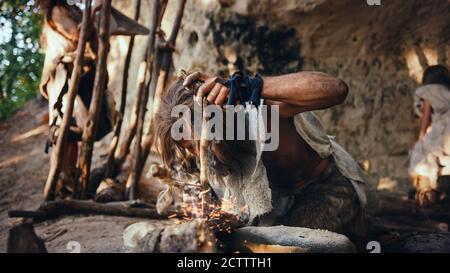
(430, 158)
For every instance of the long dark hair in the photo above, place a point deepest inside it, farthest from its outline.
(227, 157)
(436, 74)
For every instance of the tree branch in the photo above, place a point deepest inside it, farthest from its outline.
(58, 150)
(111, 167)
(87, 143)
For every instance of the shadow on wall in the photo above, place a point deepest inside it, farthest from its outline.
(246, 45)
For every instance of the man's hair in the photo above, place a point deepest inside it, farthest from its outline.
(437, 74)
(225, 157)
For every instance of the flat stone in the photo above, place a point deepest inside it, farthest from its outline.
(134, 233)
(290, 239)
(150, 242)
(187, 237)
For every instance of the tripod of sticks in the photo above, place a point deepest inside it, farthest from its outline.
(154, 73)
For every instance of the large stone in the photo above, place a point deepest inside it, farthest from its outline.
(188, 237)
(290, 240)
(23, 239)
(134, 233)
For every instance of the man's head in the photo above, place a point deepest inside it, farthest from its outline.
(225, 157)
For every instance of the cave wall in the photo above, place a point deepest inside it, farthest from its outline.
(379, 51)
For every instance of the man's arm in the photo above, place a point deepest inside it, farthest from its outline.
(304, 91)
(294, 93)
(425, 121)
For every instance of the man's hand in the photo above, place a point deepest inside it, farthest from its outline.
(293, 93)
(213, 87)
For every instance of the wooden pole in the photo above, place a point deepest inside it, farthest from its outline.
(167, 57)
(158, 84)
(139, 161)
(87, 143)
(132, 179)
(58, 151)
(111, 169)
(54, 209)
(204, 168)
(130, 132)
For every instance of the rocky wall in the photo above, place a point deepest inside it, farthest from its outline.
(380, 51)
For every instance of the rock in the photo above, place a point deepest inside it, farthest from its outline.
(189, 237)
(23, 239)
(150, 242)
(135, 232)
(110, 191)
(96, 178)
(291, 240)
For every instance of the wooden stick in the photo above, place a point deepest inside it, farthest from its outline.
(130, 132)
(158, 84)
(58, 151)
(25, 214)
(139, 161)
(133, 179)
(204, 167)
(167, 57)
(111, 169)
(54, 209)
(95, 108)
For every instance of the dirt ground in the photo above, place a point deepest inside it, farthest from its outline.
(397, 224)
(23, 164)
(23, 171)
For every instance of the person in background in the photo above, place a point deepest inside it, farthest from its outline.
(429, 165)
(59, 38)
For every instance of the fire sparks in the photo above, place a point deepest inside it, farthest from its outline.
(217, 218)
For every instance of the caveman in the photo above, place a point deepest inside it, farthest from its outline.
(60, 34)
(308, 181)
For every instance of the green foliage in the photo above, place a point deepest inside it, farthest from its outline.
(20, 59)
